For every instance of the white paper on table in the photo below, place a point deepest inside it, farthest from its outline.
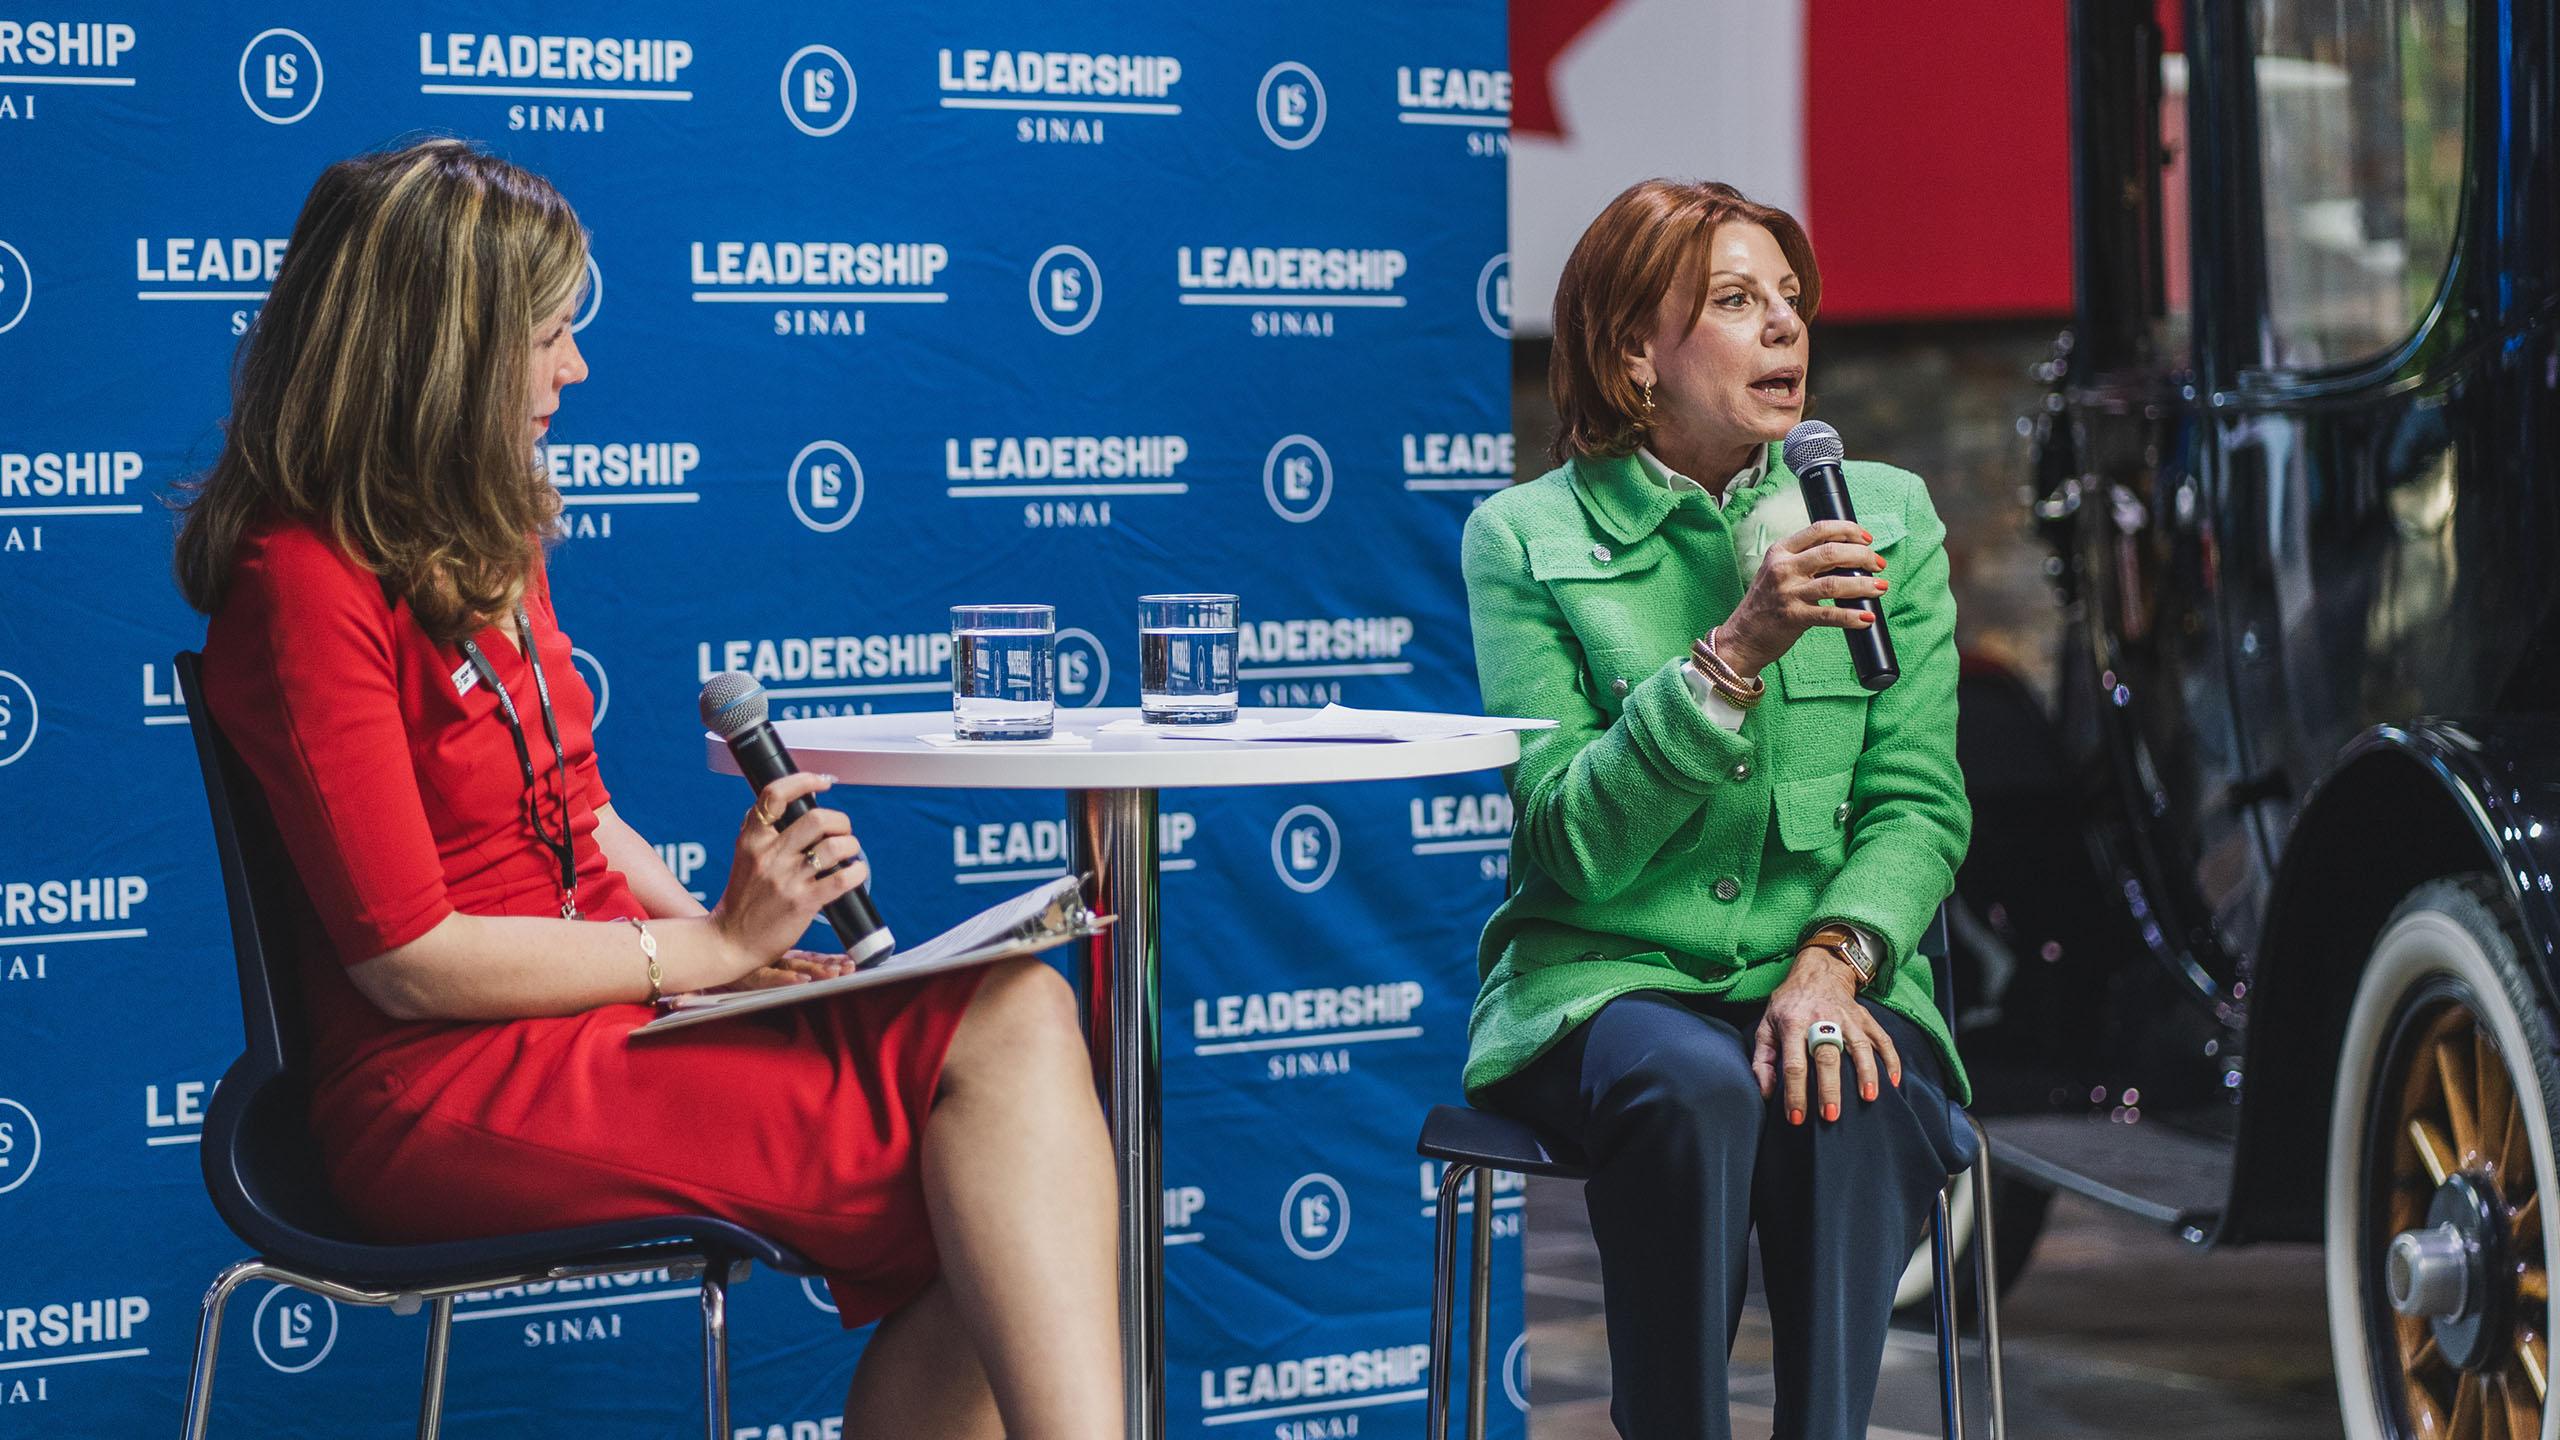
(1346, 723)
(946, 740)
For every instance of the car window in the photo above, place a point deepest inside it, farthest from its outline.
(2360, 141)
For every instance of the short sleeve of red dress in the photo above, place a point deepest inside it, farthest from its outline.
(303, 675)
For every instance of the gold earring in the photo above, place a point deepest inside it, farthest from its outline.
(1647, 416)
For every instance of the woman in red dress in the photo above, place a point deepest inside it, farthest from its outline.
(383, 652)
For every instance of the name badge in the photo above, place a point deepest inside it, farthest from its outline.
(465, 675)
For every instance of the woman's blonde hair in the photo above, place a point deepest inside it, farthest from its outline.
(1653, 237)
(380, 396)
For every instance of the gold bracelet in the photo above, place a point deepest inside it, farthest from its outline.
(649, 948)
(1720, 673)
(1707, 642)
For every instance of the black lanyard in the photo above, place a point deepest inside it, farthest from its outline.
(561, 846)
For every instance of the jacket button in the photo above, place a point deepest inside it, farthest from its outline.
(1841, 815)
(1742, 770)
(1618, 688)
(1600, 553)
(1727, 888)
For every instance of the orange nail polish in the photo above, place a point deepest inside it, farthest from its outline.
(1795, 1117)
(1867, 1092)
(1831, 1111)
(1883, 585)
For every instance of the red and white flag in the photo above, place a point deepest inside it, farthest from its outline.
(1925, 147)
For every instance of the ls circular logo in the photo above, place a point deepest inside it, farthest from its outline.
(819, 1295)
(295, 1329)
(1290, 104)
(1515, 1373)
(1315, 1216)
(17, 717)
(280, 76)
(1084, 669)
(1305, 847)
(21, 1145)
(17, 287)
(1493, 295)
(593, 301)
(1066, 289)
(817, 90)
(1297, 478)
(825, 485)
(591, 670)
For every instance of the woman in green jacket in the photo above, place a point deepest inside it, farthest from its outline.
(1727, 850)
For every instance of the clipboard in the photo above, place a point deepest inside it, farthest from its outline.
(1038, 919)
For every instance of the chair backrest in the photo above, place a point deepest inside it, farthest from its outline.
(1938, 949)
(260, 1165)
(258, 880)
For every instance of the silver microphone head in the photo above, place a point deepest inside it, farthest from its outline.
(1812, 443)
(732, 704)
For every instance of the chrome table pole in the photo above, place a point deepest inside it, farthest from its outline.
(1111, 836)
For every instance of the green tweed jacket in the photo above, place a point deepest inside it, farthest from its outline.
(1655, 850)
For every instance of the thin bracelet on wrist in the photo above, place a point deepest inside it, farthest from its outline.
(649, 950)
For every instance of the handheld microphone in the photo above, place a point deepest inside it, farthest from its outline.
(733, 708)
(1813, 451)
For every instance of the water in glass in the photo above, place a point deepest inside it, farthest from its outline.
(1003, 683)
(1187, 659)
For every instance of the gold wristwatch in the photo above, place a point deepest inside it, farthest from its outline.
(1843, 941)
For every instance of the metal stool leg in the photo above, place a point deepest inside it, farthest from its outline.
(1943, 1301)
(1986, 1280)
(1444, 1284)
(1480, 1306)
(715, 1350)
(209, 1344)
(439, 1342)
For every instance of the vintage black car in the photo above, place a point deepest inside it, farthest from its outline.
(2300, 470)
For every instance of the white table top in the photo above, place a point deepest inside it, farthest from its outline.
(884, 750)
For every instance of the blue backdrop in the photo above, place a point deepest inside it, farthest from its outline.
(894, 307)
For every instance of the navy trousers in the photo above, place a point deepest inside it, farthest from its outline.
(1685, 1157)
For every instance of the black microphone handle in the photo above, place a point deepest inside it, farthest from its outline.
(764, 759)
(1826, 497)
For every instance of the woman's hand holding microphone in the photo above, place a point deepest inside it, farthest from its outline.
(1780, 605)
(777, 885)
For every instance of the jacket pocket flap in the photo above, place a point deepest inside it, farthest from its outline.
(1817, 665)
(1561, 557)
(1813, 813)
(1885, 525)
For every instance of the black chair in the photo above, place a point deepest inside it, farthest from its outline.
(1478, 1142)
(261, 1166)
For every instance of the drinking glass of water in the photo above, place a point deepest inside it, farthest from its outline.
(1003, 671)
(1187, 659)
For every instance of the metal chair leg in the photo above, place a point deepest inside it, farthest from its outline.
(715, 1351)
(1943, 1302)
(1444, 1285)
(1480, 1307)
(439, 1343)
(209, 1344)
(1986, 1280)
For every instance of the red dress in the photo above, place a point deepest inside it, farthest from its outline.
(401, 800)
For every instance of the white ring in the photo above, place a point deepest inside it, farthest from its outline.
(1825, 1032)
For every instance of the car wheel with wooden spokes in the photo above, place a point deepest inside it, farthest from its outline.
(2439, 1238)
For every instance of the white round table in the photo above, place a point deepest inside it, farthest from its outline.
(1111, 790)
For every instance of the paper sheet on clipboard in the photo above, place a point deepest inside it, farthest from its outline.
(1039, 919)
